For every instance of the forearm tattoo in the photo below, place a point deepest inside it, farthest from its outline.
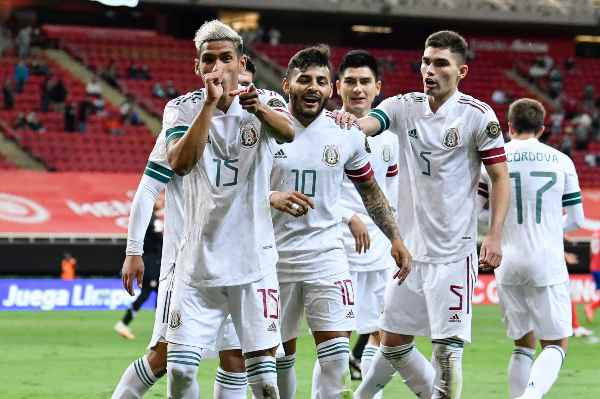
(378, 207)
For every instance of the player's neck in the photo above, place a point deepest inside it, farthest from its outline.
(358, 114)
(523, 136)
(435, 103)
(224, 102)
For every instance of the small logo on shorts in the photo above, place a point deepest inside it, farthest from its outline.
(455, 318)
(272, 327)
(350, 314)
(175, 319)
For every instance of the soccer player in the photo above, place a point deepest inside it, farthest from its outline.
(152, 244)
(590, 308)
(444, 137)
(222, 141)
(533, 282)
(312, 268)
(367, 248)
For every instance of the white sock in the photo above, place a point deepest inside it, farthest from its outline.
(262, 377)
(182, 366)
(334, 378)
(135, 381)
(418, 374)
(377, 371)
(286, 376)
(230, 385)
(519, 368)
(544, 371)
(314, 394)
(448, 373)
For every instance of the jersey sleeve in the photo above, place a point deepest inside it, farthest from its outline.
(488, 138)
(572, 192)
(177, 119)
(357, 167)
(392, 178)
(158, 166)
(274, 101)
(388, 113)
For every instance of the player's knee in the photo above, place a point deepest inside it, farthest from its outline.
(562, 343)
(181, 374)
(392, 339)
(157, 359)
(232, 360)
(448, 350)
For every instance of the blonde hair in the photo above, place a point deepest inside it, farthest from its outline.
(216, 30)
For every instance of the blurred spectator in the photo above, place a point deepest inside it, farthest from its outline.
(128, 113)
(68, 265)
(170, 90)
(84, 109)
(538, 70)
(274, 36)
(39, 67)
(57, 94)
(158, 91)
(567, 143)
(98, 103)
(145, 73)
(114, 125)
(570, 64)
(133, 72)
(499, 96)
(5, 40)
(555, 78)
(20, 122)
(45, 94)
(582, 123)
(21, 75)
(70, 117)
(93, 87)
(110, 74)
(589, 102)
(556, 119)
(33, 123)
(24, 42)
(7, 94)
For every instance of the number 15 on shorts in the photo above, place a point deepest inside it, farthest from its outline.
(270, 301)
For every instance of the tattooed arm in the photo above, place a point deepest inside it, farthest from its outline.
(382, 214)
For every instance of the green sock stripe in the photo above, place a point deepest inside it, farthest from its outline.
(259, 366)
(332, 347)
(240, 383)
(230, 379)
(138, 370)
(571, 196)
(333, 353)
(182, 362)
(571, 202)
(262, 371)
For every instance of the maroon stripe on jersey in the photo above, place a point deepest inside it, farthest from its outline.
(491, 152)
(360, 175)
(392, 170)
(472, 105)
(468, 284)
(484, 194)
(492, 156)
(496, 159)
(483, 185)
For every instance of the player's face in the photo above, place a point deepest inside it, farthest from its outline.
(308, 91)
(358, 88)
(441, 71)
(221, 55)
(245, 78)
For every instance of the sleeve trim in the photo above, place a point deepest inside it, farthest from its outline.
(575, 195)
(174, 130)
(392, 170)
(361, 174)
(381, 116)
(174, 136)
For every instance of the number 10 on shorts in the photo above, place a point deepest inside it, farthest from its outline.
(270, 300)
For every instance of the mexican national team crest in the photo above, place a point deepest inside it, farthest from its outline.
(331, 155)
(386, 153)
(248, 133)
(174, 319)
(451, 138)
(493, 129)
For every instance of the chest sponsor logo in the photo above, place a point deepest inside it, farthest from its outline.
(413, 133)
(331, 155)
(492, 130)
(451, 138)
(248, 134)
(386, 153)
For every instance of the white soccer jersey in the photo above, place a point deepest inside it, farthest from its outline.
(383, 151)
(158, 168)
(442, 154)
(310, 247)
(228, 234)
(543, 182)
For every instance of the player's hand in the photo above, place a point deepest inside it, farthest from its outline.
(571, 258)
(403, 260)
(213, 81)
(293, 203)
(490, 254)
(248, 98)
(133, 267)
(344, 119)
(360, 233)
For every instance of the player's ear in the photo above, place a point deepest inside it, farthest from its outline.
(539, 133)
(197, 66)
(378, 86)
(285, 85)
(463, 70)
(330, 89)
(338, 83)
(243, 60)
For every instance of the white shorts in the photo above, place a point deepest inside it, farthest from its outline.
(370, 292)
(198, 314)
(161, 314)
(328, 302)
(544, 310)
(434, 301)
(227, 339)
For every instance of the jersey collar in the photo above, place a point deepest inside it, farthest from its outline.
(445, 108)
(235, 109)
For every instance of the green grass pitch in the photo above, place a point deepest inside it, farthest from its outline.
(77, 355)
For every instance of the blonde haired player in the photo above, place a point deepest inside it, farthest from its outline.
(223, 144)
(533, 282)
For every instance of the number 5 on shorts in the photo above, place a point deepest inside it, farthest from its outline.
(269, 295)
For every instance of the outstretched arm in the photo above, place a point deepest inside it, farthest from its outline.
(491, 247)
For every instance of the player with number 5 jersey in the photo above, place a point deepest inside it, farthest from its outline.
(312, 267)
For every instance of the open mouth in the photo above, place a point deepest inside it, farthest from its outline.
(358, 99)
(430, 83)
(311, 100)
